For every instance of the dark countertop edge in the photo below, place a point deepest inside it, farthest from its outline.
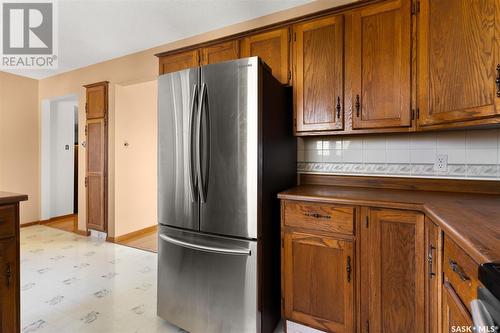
(462, 241)
(10, 198)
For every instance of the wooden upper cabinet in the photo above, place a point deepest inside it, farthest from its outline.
(379, 64)
(318, 52)
(457, 60)
(319, 282)
(179, 61)
(273, 48)
(392, 271)
(96, 105)
(220, 52)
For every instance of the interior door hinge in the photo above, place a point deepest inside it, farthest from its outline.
(415, 8)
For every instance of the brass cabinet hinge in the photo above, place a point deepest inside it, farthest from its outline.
(418, 113)
(85, 130)
(86, 107)
(86, 181)
(415, 8)
(366, 221)
(367, 326)
(294, 36)
(289, 76)
(289, 36)
(412, 114)
(282, 243)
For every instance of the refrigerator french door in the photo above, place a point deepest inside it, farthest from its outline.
(211, 276)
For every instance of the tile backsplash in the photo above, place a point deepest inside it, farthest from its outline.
(473, 154)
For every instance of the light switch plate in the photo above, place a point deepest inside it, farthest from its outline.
(441, 163)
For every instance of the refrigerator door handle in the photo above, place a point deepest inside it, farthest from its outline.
(205, 248)
(203, 170)
(192, 126)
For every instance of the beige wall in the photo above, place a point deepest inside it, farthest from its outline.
(19, 141)
(135, 163)
(136, 68)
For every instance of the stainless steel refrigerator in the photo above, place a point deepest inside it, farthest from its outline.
(225, 149)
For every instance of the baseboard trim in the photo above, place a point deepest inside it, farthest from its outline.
(56, 219)
(133, 234)
(29, 224)
(85, 233)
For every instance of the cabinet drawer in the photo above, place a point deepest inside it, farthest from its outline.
(318, 216)
(7, 221)
(461, 271)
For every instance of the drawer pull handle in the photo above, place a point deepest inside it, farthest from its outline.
(357, 104)
(430, 261)
(457, 269)
(338, 107)
(318, 216)
(8, 275)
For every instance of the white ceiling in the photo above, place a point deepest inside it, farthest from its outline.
(92, 31)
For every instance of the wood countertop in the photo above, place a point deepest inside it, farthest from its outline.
(472, 220)
(9, 198)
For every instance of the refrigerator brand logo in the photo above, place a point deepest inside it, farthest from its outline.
(28, 34)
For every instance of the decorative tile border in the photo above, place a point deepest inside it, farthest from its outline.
(471, 171)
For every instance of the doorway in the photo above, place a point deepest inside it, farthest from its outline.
(59, 160)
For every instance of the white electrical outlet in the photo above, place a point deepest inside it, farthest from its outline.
(441, 163)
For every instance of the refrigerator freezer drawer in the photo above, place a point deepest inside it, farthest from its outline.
(206, 283)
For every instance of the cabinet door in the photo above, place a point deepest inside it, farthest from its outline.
(96, 174)
(455, 314)
(433, 276)
(273, 48)
(457, 60)
(220, 52)
(97, 96)
(318, 87)
(380, 65)
(392, 272)
(9, 286)
(179, 61)
(319, 279)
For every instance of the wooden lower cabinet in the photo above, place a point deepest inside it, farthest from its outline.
(454, 314)
(9, 286)
(392, 271)
(319, 281)
(433, 276)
